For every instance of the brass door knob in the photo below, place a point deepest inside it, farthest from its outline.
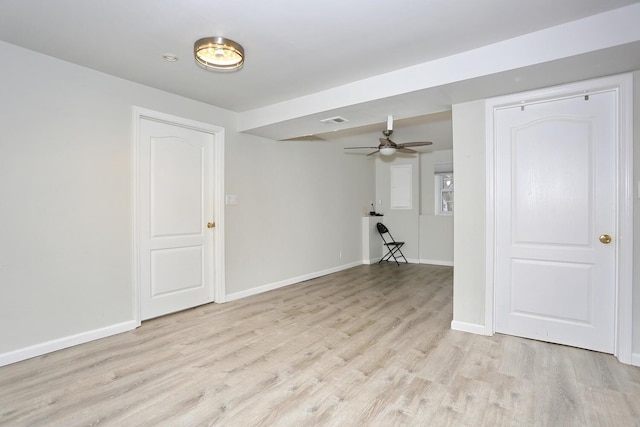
(211, 224)
(605, 238)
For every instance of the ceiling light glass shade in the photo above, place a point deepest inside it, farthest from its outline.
(218, 53)
(387, 151)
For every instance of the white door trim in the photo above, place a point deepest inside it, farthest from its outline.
(623, 86)
(218, 203)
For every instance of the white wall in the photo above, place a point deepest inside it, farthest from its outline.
(300, 207)
(404, 224)
(428, 237)
(66, 201)
(636, 218)
(436, 231)
(469, 219)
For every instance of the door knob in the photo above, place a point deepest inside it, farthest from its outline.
(605, 238)
(213, 224)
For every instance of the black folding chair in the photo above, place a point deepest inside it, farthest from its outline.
(393, 247)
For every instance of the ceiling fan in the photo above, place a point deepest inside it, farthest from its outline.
(387, 147)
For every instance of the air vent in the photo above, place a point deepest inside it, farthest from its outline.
(334, 120)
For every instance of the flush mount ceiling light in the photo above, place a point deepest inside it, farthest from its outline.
(219, 54)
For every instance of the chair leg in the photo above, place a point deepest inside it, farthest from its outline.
(392, 250)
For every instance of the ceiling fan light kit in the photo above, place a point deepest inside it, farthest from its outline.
(218, 54)
(387, 151)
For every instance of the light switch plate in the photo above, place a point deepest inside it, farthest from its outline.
(231, 199)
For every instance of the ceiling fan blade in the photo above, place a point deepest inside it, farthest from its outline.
(406, 150)
(353, 148)
(373, 152)
(415, 144)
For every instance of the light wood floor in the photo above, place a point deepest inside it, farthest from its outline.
(369, 346)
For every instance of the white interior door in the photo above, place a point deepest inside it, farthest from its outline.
(176, 205)
(555, 196)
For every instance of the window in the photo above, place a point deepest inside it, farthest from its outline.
(444, 193)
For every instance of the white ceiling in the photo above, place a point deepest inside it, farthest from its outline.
(309, 60)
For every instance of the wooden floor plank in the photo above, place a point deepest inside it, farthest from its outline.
(371, 345)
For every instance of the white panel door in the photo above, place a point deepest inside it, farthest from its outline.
(176, 204)
(555, 196)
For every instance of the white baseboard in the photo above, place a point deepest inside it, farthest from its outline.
(472, 328)
(635, 359)
(401, 261)
(437, 262)
(65, 342)
(287, 282)
(412, 261)
(419, 261)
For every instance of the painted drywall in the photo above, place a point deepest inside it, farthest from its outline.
(300, 209)
(436, 231)
(613, 28)
(66, 261)
(636, 217)
(66, 192)
(436, 239)
(469, 219)
(404, 224)
(428, 238)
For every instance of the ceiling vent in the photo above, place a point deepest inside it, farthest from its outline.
(334, 120)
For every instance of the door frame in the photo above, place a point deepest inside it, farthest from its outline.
(218, 285)
(622, 85)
